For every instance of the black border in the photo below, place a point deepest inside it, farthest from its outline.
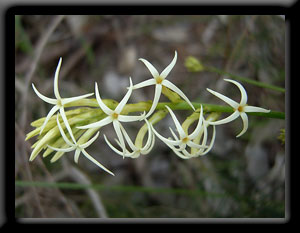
(126, 9)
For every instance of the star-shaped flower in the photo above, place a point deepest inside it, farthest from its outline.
(114, 116)
(136, 150)
(79, 148)
(160, 80)
(184, 139)
(58, 102)
(240, 109)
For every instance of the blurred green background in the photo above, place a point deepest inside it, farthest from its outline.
(240, 178)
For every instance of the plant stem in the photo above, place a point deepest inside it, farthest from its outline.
(243, 79)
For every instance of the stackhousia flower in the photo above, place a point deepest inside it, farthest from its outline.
(136, 150)
(184, 139)
(114, 116)
(240, 109)
(58, 102)
(79, 148)
(160, 80)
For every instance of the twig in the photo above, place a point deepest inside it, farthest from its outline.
(37, 54)
(79, 177)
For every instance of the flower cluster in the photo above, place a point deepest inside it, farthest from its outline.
(80, 128)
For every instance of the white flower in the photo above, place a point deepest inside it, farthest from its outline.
(79, 148)
(159, 80)
(114, 116)
(184, 139)
(136, 151)
(58, 102)
(240, 109)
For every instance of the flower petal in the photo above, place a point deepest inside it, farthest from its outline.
(112, 147)
(107, 120)
(167, 70)
(56, 92)
(64, 117)
(96, 162)
(194, 145)
(72, 99)
(255, 109)
(46, 99)
(49, 115)
(150, 67)
(232, 117)
(158, 88)
(173, 134)
(88, 143)
(165, 140)
(117, 128)
(76, 155)
(124, 118)
(62, 132)
(229, 101)
(178, 152)
(102, 105)
(145, 83)
(170, 85)
(245, 124)
(125, 99)
(198, 127)
(177, 124)
(211, 143)
(242, 90)
(130, 143)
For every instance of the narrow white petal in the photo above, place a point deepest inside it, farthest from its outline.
(178, 153)
(112, 147)
(61, 149)
(124, 118)
(96, 162)
(211, 143)
(102, 105)
(170, 85)
(145, 150)
(56, 92)
(150, 67)
(49, 115)
(192, 144)
(244, 97)
(177, 124)
(255, 109)
(145, 83)
(63, 133)
(107, 120)
(72, 99)
(165, 140)
(167, 70)
(158, 88)
(46, 99)
(245, 124)
(229, 101)
(198, 127)
(232, 117)
(117, 128)
(125, 99)
(76, 155)
(64, 117)
(88, 143)
(174, 135)
(130, 143)
(150, 137)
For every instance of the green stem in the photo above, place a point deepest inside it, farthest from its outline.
(145, 106)
(243, 79)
